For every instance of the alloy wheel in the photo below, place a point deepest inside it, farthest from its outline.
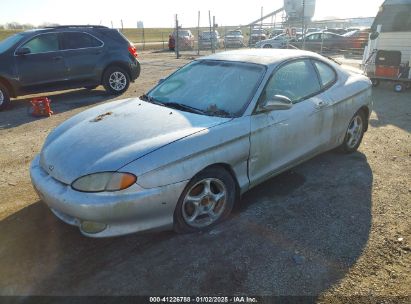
(1, 97)
(118, 81)
(204, 203)
(354, 131)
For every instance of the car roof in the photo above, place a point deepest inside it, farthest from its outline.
(265, 57)
(64, 28)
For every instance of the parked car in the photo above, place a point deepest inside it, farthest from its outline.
(257, 34)
(66, 57)
(181, 155)
(325, 40)
(276, 42)
(209, 39)
(185, 38)
(234, 38)
(357, 39)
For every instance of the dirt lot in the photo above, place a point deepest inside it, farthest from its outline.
(336, 225)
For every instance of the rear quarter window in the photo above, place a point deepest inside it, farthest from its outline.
(327, 73)
(77, 40)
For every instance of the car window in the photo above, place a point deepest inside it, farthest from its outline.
(327, 74)
(76, 40)
(314, 37)
(43, 43)
(295, 80)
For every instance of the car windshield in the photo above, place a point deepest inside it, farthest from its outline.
(9, 42)
(257, 31)
(183, 33)
(236, 33)
(215, 88)
(207, 34)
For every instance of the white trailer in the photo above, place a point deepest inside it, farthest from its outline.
(391, 31)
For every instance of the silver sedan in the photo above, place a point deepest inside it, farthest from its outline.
(181, 155)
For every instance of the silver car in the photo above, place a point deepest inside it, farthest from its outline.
(181, 155)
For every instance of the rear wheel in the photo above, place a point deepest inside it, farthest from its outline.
(4, 97)
(207, 199)
(116, 80)
(398, 87)
(354, 134)
(375, 82)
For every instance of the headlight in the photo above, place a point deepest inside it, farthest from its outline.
(105, 181)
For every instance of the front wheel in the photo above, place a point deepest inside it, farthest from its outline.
(116, 80)
(267, 46)
(354, 134)
(207, 199)
(4, 97)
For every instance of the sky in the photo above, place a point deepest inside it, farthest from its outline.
(160, 13)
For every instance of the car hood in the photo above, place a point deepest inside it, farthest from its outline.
(107, 137)
(235, 36)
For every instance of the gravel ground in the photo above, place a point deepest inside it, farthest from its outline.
(337, 225)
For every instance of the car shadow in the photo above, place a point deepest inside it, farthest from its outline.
(296, 234)
(18, 112)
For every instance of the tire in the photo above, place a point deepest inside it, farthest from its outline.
(354, 133)
(208, 205)
(4, 98)
(267, 46)
(90, 88)
(116, 80)
(375, 82)
(398, 87)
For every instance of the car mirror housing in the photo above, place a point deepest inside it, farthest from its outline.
(277, 102)
(23, 51)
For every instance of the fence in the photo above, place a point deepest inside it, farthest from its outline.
(318, 36)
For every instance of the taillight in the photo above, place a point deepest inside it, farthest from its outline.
(133, 51)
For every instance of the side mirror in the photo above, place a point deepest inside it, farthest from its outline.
(374, 35)
(278, 102)
(23, 51)
(161, 81)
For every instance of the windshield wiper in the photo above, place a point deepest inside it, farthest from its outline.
(180, 106)
(218, 112)
(150, 99)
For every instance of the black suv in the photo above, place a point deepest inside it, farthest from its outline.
(66, 57)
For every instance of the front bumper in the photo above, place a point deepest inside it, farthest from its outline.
(132, 210)
(233, 43)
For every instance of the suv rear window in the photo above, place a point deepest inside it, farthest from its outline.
(77, 40)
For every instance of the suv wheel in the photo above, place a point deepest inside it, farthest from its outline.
(116, 80)
(4, 97)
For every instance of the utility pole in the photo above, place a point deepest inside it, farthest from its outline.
(176, 44)
(261, 24)
(209, 24)
(198, 34)
(214, 39)
(303, 25)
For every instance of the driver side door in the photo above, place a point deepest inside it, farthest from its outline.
(44, 66)
(282, 138)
